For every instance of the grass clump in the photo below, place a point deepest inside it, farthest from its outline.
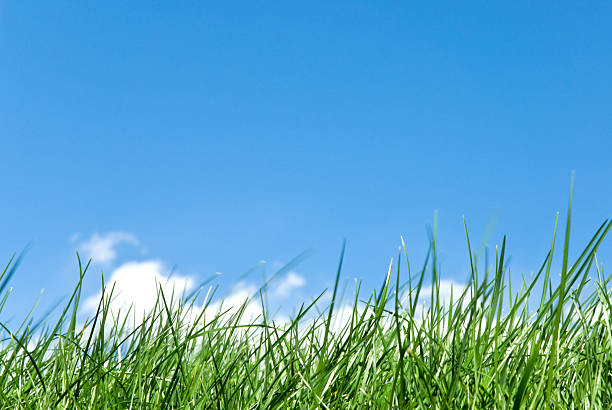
(481, 348)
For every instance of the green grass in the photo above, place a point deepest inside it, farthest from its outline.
(484, 348)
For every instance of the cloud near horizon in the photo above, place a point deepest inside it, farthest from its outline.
(288, 284)
(103, 248)
(135, 288)
(136, 284)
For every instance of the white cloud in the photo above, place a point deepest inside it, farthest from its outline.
(343, 315)
(102, 248)
(288, 284)
(447, 287)
(136, 285)
(135, 289)
(344, 312)
(230, 305)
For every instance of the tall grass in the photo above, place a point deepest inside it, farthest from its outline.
(483, 348)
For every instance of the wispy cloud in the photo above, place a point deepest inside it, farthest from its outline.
(103, 248)
(288, 284)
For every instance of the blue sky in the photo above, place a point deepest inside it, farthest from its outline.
(212, 136)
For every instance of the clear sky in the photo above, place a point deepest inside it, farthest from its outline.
(211, 136)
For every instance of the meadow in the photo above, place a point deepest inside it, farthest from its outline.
(495, 343)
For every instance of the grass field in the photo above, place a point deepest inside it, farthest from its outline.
(493, 344)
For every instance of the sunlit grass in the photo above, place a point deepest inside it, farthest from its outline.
(482, 348)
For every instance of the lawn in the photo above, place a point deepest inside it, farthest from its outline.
(495, 343)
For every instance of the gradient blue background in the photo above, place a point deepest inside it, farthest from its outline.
(221, 134)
